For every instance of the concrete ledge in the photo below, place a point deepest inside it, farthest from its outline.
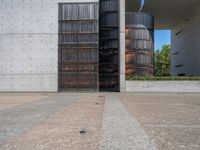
(162, 86)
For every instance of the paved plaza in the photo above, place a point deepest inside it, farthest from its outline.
(104, 121)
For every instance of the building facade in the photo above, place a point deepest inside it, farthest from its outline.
(31, 43)
(62, 45)
(182, 17)
(186, 46)
(89, 45)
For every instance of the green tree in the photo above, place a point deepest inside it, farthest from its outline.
(162, 61)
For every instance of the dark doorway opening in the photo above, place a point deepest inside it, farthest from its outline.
(109, 46)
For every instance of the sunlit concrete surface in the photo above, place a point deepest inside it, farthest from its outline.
(163, 86)
(172, 121)
(185, 45)
(13, 100)
(100, 121)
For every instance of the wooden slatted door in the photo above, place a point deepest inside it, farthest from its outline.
(78, 47)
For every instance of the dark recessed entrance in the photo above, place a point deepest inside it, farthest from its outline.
(109, 46)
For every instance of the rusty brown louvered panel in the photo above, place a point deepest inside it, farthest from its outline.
(139, 44)
(78, 46)
(89, 55)
(79, 27)
(78, 11)
(71, 38)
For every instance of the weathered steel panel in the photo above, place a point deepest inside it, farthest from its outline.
(78, 46)
(139, 44)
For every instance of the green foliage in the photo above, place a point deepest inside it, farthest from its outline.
(162, 61)
(160, 78)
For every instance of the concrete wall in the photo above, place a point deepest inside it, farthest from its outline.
(162, 86)
(186, 46)
(122, 45)
(29, 45)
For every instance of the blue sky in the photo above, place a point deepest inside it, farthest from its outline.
(161, 38)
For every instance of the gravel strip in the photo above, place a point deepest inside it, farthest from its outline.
(120, 130)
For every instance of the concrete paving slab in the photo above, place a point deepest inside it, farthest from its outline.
(61, 131)
(172, 121)
(165, 121)
(21, 118)
(9, 101)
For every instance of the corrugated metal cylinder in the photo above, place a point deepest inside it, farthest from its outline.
(139, 44)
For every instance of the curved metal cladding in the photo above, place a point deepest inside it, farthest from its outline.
(139, 44)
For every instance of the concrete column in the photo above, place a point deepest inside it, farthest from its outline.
(122, 45)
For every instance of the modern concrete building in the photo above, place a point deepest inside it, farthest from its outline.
(182, 17)
(38, 36)
(42, 43)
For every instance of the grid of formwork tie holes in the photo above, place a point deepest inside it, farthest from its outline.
(109, 45)
(78, 46)
(139, 44)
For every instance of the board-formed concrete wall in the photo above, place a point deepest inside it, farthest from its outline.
(29, 45)
(186, 46)
(162, 86)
